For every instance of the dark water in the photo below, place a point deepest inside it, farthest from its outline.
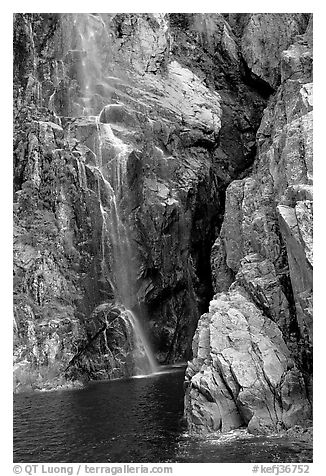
(135, 420)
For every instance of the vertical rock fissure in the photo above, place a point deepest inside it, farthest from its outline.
(148, 145)
(262, 256)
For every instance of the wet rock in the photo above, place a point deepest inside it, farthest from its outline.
(259, 278)
(265, 246)
(222, 274)
(283, 174)
(178, 121)
(242, 371)
(207, 44)
(118, 114)
(265, 37)
(296, 228)
(167, 113)
(296, 61)
(43, 345)
(106, 350)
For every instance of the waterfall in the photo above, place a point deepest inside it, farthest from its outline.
(117, 256)
(118, 266)
(82, 174)
(143, 358)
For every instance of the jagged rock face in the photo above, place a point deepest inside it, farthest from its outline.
(109, 350)
(265, 249)
(208, 44)
(243, 373)
(159, 107)
(264, 37)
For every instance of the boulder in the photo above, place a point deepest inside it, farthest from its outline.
(242, 372)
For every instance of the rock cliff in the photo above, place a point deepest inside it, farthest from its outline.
(159, 159)
(252, 351)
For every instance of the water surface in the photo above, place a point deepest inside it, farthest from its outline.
(133, 420)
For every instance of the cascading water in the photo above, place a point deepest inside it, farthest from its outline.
(117, 260)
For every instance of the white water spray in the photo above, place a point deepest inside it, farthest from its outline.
(117, 257)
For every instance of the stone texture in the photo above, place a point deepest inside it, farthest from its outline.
(296, 228)
(242, 372)
(259, 278)
(169, 108)
(265, 246)
(265, 37)
(178, 98)
(279, 186)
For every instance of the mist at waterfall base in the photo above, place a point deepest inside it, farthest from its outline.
(107, 161)
(131, 420)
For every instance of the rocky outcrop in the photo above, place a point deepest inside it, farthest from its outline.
(262, 258)
(147, 148)
(265, 37)
(156, 107)
(243, 373)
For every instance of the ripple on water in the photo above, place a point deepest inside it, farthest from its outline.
(240, 446)
(133, 420)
